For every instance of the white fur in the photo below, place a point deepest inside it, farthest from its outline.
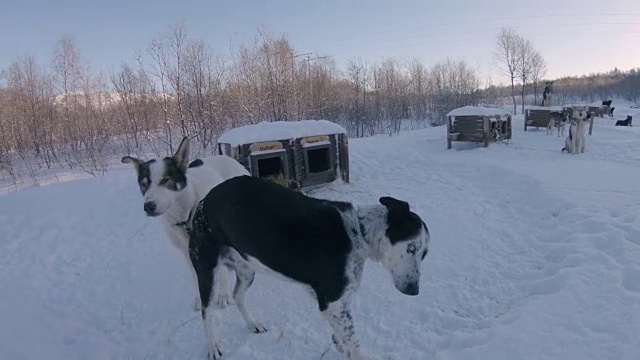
(575, 142)
(552, 123)
(175, 206)
(561, 127)
(200, 180)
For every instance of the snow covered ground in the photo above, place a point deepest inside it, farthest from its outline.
(535, 255)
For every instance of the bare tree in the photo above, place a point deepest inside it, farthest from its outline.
(452, 84)
(538, 72)
(507, 58)
(418, 86)
(524, 69)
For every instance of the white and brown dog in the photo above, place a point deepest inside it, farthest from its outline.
(575, 142)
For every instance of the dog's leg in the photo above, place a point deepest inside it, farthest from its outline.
(582, 141)
(197, 304)
(244, 278)
(221, 296)
(204, 252)
(339, 317)
(207, 318)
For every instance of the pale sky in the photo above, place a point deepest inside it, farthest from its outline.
(574, 36)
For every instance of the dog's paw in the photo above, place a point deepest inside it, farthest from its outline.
(222, 300)
(337, 343)
(257, 327)
(214, 352)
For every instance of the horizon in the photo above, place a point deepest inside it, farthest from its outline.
(107, 37)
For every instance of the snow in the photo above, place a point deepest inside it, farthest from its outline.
(279, 130)
(478, 110)
(534, 256)
(552, 108)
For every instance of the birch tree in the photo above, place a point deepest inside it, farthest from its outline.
(507, 59)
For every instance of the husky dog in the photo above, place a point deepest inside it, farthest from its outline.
(171, 188)
(250, 224)
(575, 142)
(552, 124)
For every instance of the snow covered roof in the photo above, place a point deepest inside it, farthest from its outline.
(279, 130)
(552, 108)
(477, 111)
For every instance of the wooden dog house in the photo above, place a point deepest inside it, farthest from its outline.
(478, 124)
(540, 116)
(305, 153)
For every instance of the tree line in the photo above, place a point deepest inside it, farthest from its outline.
(63, 113)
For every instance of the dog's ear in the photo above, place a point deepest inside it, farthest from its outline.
(395, 206)
(181, 156)
(131, 160)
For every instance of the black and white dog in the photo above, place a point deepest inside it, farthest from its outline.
(575, 142)
(625, 122)
(172, 188)
(250, 224)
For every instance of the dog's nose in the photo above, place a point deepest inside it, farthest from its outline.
(150, 208)
(412, 289)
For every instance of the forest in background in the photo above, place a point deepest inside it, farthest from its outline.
(64, 114)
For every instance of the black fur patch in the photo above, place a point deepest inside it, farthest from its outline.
(177, 178)
(403, 223)
(196, 163)
(340, 205)
(298, 236)
(144, 176)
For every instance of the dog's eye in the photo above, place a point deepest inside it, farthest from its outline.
(411, 249)
(163, 181)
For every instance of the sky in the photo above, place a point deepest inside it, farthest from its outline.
(575, 36)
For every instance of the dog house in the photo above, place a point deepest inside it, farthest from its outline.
(478, 124)
(540, 116)
(300, 153)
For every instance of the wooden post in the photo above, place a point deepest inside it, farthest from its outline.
(343, 149)
(487, 127)
(448, 132)
(591, 124)
(525, 119)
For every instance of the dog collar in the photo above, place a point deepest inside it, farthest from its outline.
(185, 224)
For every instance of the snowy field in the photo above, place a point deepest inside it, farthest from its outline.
(535, 255)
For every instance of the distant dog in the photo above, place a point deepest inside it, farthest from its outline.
(611, 111)
(557, 122)
(250, 224)
(607, 102)
(552, 124)
(575, 142)
(172, 189)
(625, 122)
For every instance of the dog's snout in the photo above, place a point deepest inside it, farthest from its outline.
(411, 289)
(150, 208)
